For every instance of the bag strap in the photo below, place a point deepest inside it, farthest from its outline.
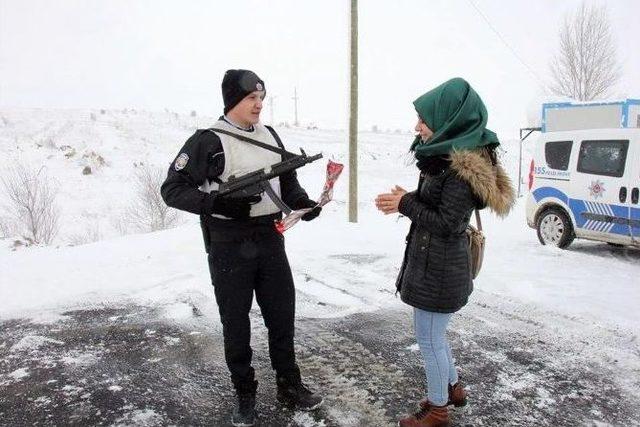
(254, 142)
(478, 222)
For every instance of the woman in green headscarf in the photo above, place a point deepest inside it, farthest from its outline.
(459, 172)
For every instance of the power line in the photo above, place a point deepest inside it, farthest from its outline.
(512, 50)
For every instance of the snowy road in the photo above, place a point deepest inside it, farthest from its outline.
(130, 366)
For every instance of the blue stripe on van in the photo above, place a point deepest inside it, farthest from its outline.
(544, 192)
(635, 223)
(578, 207)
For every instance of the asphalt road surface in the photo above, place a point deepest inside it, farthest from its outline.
(129, 366)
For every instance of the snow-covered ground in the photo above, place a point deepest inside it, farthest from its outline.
(350, 267)
(340, 268)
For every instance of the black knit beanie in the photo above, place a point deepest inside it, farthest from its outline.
(237, 84)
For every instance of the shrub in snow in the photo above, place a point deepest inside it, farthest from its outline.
(96, 160)
(121, 224)
(51, 143)
(86, 170)
(193, 113)
(31, 206)
(148, 212)
(7, 228)
(91, 234)
(68, 151)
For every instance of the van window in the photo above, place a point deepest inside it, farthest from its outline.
(603, 157)
(557, 153)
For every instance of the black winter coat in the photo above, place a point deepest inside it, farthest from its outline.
(435, 273)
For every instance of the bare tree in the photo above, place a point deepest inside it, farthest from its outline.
(148, 212)
(31, 207)
(585, 67)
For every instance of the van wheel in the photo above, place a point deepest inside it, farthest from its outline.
(554, 228)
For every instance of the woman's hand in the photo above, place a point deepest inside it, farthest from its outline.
(388, 203)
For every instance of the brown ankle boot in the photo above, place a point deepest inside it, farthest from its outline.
(428, 416)
(457, 396)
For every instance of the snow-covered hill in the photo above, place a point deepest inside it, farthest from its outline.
(116, 144)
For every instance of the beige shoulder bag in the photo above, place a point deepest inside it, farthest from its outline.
(476, 246)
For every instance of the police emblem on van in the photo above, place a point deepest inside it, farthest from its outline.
(596, 189)
(181, 161)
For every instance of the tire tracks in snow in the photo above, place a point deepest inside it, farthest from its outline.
(522, 367)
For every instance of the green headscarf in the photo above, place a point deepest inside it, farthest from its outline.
(456, 115)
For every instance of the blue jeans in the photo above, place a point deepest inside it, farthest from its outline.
(431, 331)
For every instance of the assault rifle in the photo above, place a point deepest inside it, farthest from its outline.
(257, 182)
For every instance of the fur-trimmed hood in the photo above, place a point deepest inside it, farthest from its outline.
(491, 184)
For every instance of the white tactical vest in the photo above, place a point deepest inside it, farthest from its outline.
(241, 157)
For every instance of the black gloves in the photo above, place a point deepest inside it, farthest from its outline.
(236, 208)
(240, 207)
(307, 203)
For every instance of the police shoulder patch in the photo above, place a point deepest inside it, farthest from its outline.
(181, 161)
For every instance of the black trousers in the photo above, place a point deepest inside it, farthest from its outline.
(257, 264)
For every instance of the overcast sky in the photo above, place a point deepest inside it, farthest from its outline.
(161, 54)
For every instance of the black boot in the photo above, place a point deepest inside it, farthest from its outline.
(244, 413)
(294, 394)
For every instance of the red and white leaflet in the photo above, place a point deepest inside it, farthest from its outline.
(333, 172)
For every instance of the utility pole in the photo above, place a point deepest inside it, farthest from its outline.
(271, 98)
(295, 105)
(353, 116)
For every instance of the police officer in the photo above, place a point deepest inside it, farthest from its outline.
(246, 253)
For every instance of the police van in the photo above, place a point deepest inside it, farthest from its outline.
(584, 176)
